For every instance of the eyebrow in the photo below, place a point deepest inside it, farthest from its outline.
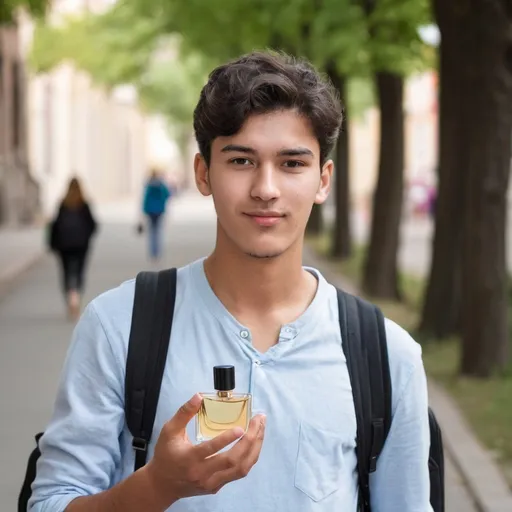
(235, 148)
(296, 152)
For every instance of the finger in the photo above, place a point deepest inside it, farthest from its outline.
(254, 454)
(255, 444)
(215, 445)
(245, 462)
(255, 431)
(184, 414)
(209, 448)
(237, 455)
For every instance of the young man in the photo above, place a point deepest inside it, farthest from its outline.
(265, 125)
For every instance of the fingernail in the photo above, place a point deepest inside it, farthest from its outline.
(239, 432)
(196, 399)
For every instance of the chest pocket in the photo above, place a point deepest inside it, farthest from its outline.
(320, 469)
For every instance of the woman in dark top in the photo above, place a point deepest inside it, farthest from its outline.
(71, 233)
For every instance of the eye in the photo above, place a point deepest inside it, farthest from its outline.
(293, 164)
(240, 161)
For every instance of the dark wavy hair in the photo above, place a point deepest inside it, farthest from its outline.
(263, 82)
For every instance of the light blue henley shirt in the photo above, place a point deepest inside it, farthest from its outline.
(308, 460)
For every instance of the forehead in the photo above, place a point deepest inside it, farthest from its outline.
(272, 132)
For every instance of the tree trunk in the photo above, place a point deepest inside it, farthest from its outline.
(485, 332)
(341, 234)
(4, 124)
(3, 94)
(315, 225)
(441, 305)
(380, 277)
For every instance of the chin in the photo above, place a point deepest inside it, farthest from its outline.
(270, 251)
(266, 247)
(264, 255)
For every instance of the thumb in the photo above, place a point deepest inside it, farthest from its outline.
(185, 413)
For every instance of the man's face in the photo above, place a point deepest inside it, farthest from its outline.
(264, 181)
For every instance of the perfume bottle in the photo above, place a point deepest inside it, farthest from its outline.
(224, 409)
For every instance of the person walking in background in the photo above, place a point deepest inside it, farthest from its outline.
(156, 195)
(71, 232)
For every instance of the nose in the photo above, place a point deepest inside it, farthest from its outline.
(265, 186)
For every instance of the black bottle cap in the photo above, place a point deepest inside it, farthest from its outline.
(224, 378)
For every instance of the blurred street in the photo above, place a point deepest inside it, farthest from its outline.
(416, 238)
(35, 335)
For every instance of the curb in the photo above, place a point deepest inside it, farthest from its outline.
(9, 277)
(484, 481)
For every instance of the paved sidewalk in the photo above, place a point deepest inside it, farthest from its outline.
(34, 334)
(19, 250)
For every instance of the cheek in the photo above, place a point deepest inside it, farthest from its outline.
(304, 193)
(226, 196)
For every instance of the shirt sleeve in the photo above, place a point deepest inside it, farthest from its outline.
(401, 481)
(80, 449)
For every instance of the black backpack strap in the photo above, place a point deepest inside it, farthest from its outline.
(364, 344)
(153, 311)
(30, 476)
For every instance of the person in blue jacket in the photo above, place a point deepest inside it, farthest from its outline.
(156, 195)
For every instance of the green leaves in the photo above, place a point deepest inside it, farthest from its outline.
(172, 87)
(339, 33)
(395, 44)
(166, 47)
(8, 8)
(360, 42)
(113, 48)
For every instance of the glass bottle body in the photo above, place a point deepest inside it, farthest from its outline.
(222, 411)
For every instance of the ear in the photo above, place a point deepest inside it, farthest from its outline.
(201, 175)
(325, 182)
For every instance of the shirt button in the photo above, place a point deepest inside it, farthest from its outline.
(288, 330)
(257, 363)
(244, 334)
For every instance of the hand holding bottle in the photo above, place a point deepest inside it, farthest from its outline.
(179, 469)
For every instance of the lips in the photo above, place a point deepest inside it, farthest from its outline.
(265, 219)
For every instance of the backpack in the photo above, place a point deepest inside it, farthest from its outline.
(364, 345)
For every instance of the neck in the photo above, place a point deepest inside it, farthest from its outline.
(245, 282)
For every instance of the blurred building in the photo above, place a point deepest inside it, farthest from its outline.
(18, 189)
(78, 128)
(164, 153)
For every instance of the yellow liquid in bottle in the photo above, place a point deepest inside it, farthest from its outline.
(218, 414)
